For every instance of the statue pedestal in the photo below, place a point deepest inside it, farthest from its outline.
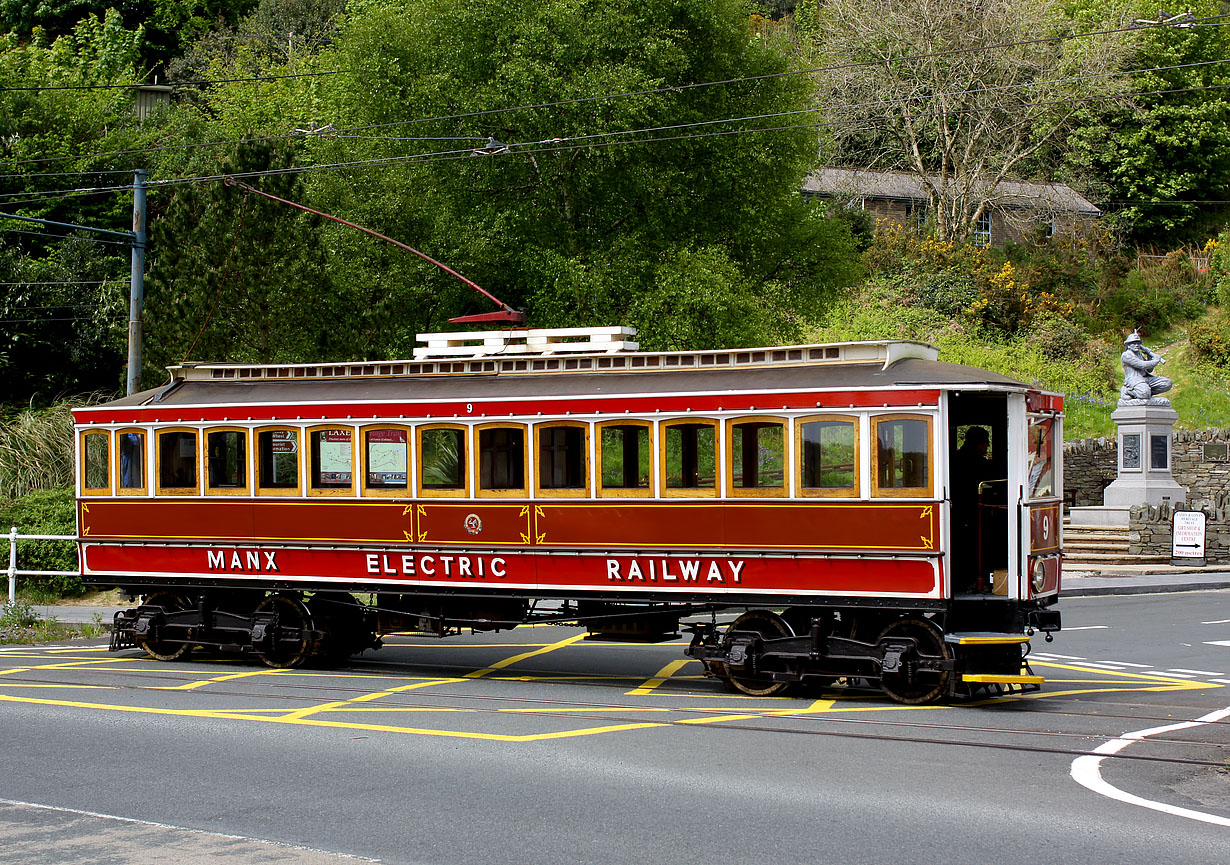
(1144, 466)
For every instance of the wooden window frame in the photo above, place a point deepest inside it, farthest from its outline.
(902, 492)
(366, 489)
(297, 489)
(159, 489)
(246, 489)
(623, 492)
(757, 492)
(308, 461)
(461, 492)
(117, 468)
(690, 492)
(580, 492)
(527, 464)
(111, 479)
(800, 455)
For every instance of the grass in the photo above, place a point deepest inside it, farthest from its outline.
(21, 624)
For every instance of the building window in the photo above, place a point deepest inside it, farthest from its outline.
(982, 234)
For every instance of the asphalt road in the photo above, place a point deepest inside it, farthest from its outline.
(537, 747)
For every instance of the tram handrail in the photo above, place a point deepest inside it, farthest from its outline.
(13, 537)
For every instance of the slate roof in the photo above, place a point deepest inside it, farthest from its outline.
(904, 186)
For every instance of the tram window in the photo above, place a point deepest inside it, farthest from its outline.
(758, 455)
(501, 458)
(442, 459)
(690, 456)
(386, 455)
(561, 457)
(227, 459)
(132, 460)
(96, 457)
(903, 456)
(1041, 449)
(829, 457)
(625, 457)
(278, 464)
(177, 460)
(332, 459)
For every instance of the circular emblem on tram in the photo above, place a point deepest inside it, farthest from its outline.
(473, 524)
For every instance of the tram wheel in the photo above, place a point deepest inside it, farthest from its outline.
(910, 684)
(166, 650)
(289, 638)
(770, 626)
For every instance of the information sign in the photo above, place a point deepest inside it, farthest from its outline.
(1187, 531)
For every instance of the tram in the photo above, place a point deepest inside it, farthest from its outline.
(810, 513)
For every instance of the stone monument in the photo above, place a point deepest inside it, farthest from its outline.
(1145, 421)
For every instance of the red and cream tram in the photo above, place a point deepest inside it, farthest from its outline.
(819, 492)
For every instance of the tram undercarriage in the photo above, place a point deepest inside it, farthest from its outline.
(908, 653)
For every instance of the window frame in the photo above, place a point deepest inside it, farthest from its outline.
(528, 466)
(690, 492)
(877, 491)
(83, 465)
(365, 488)
(310, 460)
(757, 492)
(623, 492)
(461, 492)
(297, 489)
(580, 492)
(159, 435)
(801, 454)
(210, 490)
(117, 468)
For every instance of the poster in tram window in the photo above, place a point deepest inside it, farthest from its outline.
(336, 456)
(386, 458)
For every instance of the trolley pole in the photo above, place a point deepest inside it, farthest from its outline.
(137, 289)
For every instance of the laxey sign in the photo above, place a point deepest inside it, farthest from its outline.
(1187, 530)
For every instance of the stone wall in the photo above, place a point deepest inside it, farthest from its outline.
(1149, 529)
(1089, 465)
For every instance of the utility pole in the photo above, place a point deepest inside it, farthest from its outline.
(136, 238)
(136, 294)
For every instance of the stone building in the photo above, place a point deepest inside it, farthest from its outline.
(900, 197)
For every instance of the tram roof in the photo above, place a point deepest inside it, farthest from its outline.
(870, 375)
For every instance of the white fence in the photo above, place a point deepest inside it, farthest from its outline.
(13, 538)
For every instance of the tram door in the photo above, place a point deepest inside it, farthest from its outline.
(978, 493)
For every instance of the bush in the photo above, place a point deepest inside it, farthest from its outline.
(36, 451)
(45, 512)
(1210, 339)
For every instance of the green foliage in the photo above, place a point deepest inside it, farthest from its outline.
(36, 451)
(1157, 295)
(45, 512)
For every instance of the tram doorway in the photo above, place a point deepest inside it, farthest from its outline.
(978, 492)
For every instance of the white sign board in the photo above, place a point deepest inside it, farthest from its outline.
(1188, 534)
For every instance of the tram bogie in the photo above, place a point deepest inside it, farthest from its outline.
(857, 513)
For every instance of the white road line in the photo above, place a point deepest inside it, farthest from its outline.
(1168, 674)
(20, 804)
(1217, 622)
(1086, 770)
(1222, 681)
(1106, 665)
(1089, 628)
(1197, 672)
(1137, 666)
(1218, 643)
(1060, 657)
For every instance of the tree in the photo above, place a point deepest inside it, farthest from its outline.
(597, 201)
(1162, 157)
(961, 93)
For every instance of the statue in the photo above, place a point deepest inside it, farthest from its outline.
(1140, 385)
